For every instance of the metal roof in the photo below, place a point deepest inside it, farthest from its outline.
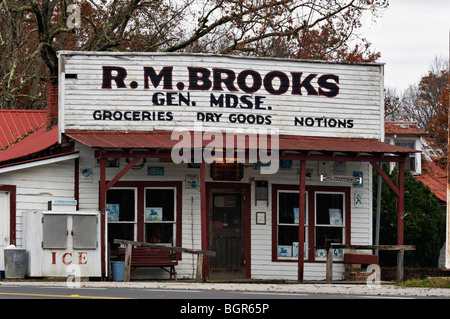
(16, 124)
(403, 129)
(435, 177)
(163, 140)
(40, 140)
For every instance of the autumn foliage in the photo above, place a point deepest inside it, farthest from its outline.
(35, 30)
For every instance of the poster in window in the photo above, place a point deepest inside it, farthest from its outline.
(112, 210)
(296, 215)
(295, 249)
(284, 251)
(153, 214)
(335, 216)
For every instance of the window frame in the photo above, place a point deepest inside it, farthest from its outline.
(279, 191)
(133, 222)
(173, 222)
(316, 224)
(140, 205)
(310, 229)
(411, 162)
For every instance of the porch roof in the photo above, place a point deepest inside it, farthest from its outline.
(111, 140)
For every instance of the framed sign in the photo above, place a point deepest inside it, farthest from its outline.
(260, 218)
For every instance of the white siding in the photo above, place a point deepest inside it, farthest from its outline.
(38, 185)
(262, 266)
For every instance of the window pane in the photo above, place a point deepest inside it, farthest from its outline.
(159, 233)
(120, 204)
(288, 212)
(328, 235)
(120, 231)
(287, 235)
(160, 205)
(329, 209)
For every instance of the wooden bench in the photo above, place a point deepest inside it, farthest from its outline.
(366, 258)
(360, 259)
(149, 257)
(198, 252)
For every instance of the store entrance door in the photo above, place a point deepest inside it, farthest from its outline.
(227, 235)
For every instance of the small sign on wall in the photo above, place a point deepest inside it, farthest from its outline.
(155, 171)
(192, 181)
(358, 200)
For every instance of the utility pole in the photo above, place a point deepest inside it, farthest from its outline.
(447, 243)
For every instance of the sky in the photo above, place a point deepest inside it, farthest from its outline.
(409, 35)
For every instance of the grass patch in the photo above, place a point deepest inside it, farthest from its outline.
(424, 283)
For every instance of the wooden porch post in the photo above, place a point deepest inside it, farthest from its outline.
(301, 221)
(401, 202)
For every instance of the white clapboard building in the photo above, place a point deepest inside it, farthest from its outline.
(260, 160)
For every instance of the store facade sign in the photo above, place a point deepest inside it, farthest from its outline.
(144, 92)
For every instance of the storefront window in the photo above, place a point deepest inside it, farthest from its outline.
(160, 215)
(327, 220)
(121, 212)
(288, 218)
(330, 220)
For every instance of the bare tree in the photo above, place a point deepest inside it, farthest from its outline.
(318, 29)
(393, 105)
(421, 101)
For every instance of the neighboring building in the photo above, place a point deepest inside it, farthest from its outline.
(426, 167)
(320, 125)
(407, 134)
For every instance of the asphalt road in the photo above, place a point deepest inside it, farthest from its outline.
(60, 292)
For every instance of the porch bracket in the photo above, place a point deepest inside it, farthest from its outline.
(122, 172)
(386, 178)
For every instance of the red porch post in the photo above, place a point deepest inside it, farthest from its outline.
(204, 217)
(399, 191)
(301, 221)
(102, 209)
